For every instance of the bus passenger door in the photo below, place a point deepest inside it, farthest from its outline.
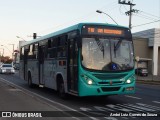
(41, 64)
(72, 71)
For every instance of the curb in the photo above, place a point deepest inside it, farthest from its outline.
(148, 82)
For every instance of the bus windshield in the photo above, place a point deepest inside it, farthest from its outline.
(107, 54)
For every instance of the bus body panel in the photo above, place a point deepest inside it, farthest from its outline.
(33, 69)
(21, 69)
(50, 67)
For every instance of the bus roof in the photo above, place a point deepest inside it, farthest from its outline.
(71, 28)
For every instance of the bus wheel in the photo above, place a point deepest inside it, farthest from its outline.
(62, 93)
(30, 84)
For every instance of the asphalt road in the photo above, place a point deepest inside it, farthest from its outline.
(119, 107)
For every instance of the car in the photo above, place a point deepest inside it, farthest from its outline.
(7, 68)
(142, 71)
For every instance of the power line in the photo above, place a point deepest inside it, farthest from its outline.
(146, 23)
(150, 14)
(120, 10)
(109, 7)
(142, 14)
(145, 17)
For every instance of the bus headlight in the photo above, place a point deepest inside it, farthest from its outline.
(90, 82)
(128, 81)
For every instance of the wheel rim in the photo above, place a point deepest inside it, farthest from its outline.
(29, 81)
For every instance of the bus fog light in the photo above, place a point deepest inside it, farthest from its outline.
(90, 82)
(130, 88)
(128, 81)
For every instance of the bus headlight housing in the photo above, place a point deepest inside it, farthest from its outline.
(88, 80)
(130, 80)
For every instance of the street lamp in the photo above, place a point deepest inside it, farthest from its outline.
(2, 52)
(6, 47)
(1, 56)
(98, 11)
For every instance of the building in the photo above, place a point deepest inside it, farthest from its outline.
(147, 47)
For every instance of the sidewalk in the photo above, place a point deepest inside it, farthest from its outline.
(150, 79)
(14, 100)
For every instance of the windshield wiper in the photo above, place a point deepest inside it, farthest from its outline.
(100, 45)
(117, 46)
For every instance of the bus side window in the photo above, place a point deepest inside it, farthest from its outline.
(62, 46)
(54, 42)
(49, 43)
(22, 53)
(51, 48)
(35, 51)
(30, 53)
(54, 47)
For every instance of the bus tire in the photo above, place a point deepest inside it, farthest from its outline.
(61, 88)
(30, 84)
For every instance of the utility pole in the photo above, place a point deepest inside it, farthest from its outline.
(13, 50)
(129, 13)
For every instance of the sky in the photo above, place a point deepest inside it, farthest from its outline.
(24, 17)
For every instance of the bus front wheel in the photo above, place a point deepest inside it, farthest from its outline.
(61, 90)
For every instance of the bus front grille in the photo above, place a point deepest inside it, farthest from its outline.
(109, 89)
(108, 83)
(108, 77)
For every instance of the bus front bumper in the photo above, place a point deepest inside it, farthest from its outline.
(96, 90)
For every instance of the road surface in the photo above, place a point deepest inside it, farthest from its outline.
(139, 106)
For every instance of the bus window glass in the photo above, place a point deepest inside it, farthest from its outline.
(123, 54)
(95, 53)
(102, 54)
(49, 43)
(62, 47)
(30, 50)
(35, 51)
(22, 53)
(54, 42)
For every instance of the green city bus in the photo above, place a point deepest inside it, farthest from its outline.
(86, 59)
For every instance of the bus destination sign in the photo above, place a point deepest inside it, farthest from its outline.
(103, 31)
